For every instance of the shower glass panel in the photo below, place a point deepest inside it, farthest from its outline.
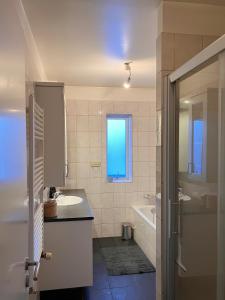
(197, 185)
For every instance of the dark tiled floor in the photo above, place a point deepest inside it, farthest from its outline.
(105, 287)
(125, 287)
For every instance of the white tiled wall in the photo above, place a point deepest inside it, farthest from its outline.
(111, 202)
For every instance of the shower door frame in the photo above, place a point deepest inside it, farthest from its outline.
(169, 158)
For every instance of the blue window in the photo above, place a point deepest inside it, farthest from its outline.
(198, 131)
(119, 148)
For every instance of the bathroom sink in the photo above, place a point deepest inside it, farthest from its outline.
(68, 200)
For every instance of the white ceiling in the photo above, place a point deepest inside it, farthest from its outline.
(86, 42)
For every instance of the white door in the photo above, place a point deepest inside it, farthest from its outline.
(13, 156)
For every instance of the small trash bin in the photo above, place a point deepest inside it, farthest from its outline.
(127, 231)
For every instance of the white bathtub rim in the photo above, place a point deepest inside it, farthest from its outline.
(137, 209)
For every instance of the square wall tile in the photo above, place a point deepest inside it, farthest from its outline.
(144, 169)
(107, 200)
(95, 185)
(82, 139)
(146, 139)
(82, 170)
(117, 229)
(70, 183)
(119, 215)
(107, 230)
(82, 123)
(132, 186)
(95, 139)
(146, 124)
(81, 108)
(95, 154)
(129, 215)
(146, 154)
(94, 108)
(95, 123)
(144, 109)
(119, 188)
(107, 107)
(119, 107)
(82, 183)
(132, 108)
(120, 200)
(95, 172)
(107, 187)
(107, 216)
(131, 199)
(144, 184)
(81, 154)
(95, 200)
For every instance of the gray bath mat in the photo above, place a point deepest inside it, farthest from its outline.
(126, 260)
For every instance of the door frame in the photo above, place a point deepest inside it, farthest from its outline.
(168, 189)
(169, 160)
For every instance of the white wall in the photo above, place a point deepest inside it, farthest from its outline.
(86, 113)
(34, 66)
(110, 93)
(191, 18)
(13, 163)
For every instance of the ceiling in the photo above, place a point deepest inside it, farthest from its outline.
(86, 42)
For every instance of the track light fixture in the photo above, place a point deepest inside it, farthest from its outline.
(127, 83)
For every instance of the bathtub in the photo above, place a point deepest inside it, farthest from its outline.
(145, 230)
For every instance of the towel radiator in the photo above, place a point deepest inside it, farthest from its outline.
(35, 187)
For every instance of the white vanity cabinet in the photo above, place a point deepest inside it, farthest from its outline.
(71, 265)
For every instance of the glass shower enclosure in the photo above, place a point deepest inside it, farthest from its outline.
(195, 178)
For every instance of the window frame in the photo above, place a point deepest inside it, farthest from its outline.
(129, 144)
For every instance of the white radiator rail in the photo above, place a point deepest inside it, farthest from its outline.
(36, 186)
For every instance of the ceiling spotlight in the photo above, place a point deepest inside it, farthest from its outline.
(126, 84)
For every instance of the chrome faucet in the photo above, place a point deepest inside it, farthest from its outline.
(57, 194)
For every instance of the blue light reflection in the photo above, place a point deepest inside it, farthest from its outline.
(115, 33)
(12, 147)
(198, 131)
